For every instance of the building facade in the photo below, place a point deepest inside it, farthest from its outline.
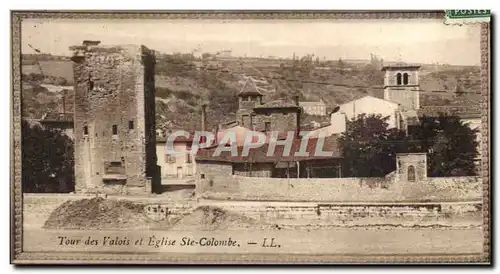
(278, 115)
(180, 165)
(411, 167)
(370, 105)
(314, 108)
(114, 119)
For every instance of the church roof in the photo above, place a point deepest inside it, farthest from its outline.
(249, 88)
(400, 65)
(372, 98)
(470, 111)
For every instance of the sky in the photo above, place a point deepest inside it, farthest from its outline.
(407, 40)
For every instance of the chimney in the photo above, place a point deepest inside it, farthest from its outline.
(203, 117)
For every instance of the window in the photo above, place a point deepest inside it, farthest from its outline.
(115, 164)
(189, 160)
(170, 159)
(405, 79)
(115, 130)
(131, 124)
(245, 120)
(398, 79)
(91, 85)
(85, 130)
(202, 176)
(411, 174)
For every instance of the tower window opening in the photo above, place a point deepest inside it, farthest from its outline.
(398, 79)
(85, 130)
(131, 124)
(405, 79)
(115, 130)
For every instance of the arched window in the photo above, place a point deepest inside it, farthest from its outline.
(405, 79)
(398, 79)
(411, 174)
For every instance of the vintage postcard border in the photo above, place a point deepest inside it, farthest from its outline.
(20, 257)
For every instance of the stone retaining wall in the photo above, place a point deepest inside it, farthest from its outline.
(37, 208)
(342, 189)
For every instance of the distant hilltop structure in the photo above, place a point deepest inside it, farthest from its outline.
(225, 54)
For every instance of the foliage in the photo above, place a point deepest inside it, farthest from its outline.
(223, 103)
(451, 146)
(45, 79)
(369, 146)
(47, 160)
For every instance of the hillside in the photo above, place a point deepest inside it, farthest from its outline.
(183, 83)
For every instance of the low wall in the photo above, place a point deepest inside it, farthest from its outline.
(342, 189)
(290, 215)
(38, 207)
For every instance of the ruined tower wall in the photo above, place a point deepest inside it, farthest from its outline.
(113, 87)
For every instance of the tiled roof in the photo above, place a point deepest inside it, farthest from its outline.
(312, 103)
(178, 139)
(259, 155)
(400, 65)
(57, 117)
(278, 104)
(249, 88)
(471, 111)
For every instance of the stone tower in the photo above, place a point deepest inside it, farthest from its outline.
(401, 85)
(114, 119)
(248, 98)
(411, 167)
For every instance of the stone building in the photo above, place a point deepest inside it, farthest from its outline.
(181, 166)
(411, 167)
(401, 102)
(260, 162)
(114, 119)
(278, 115)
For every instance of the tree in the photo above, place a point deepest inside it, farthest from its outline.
(451, 146)
(47, 160)
(369, 147)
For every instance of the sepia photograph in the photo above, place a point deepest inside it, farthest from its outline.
(250, 137)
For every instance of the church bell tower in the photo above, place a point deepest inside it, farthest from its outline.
(401, 85)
